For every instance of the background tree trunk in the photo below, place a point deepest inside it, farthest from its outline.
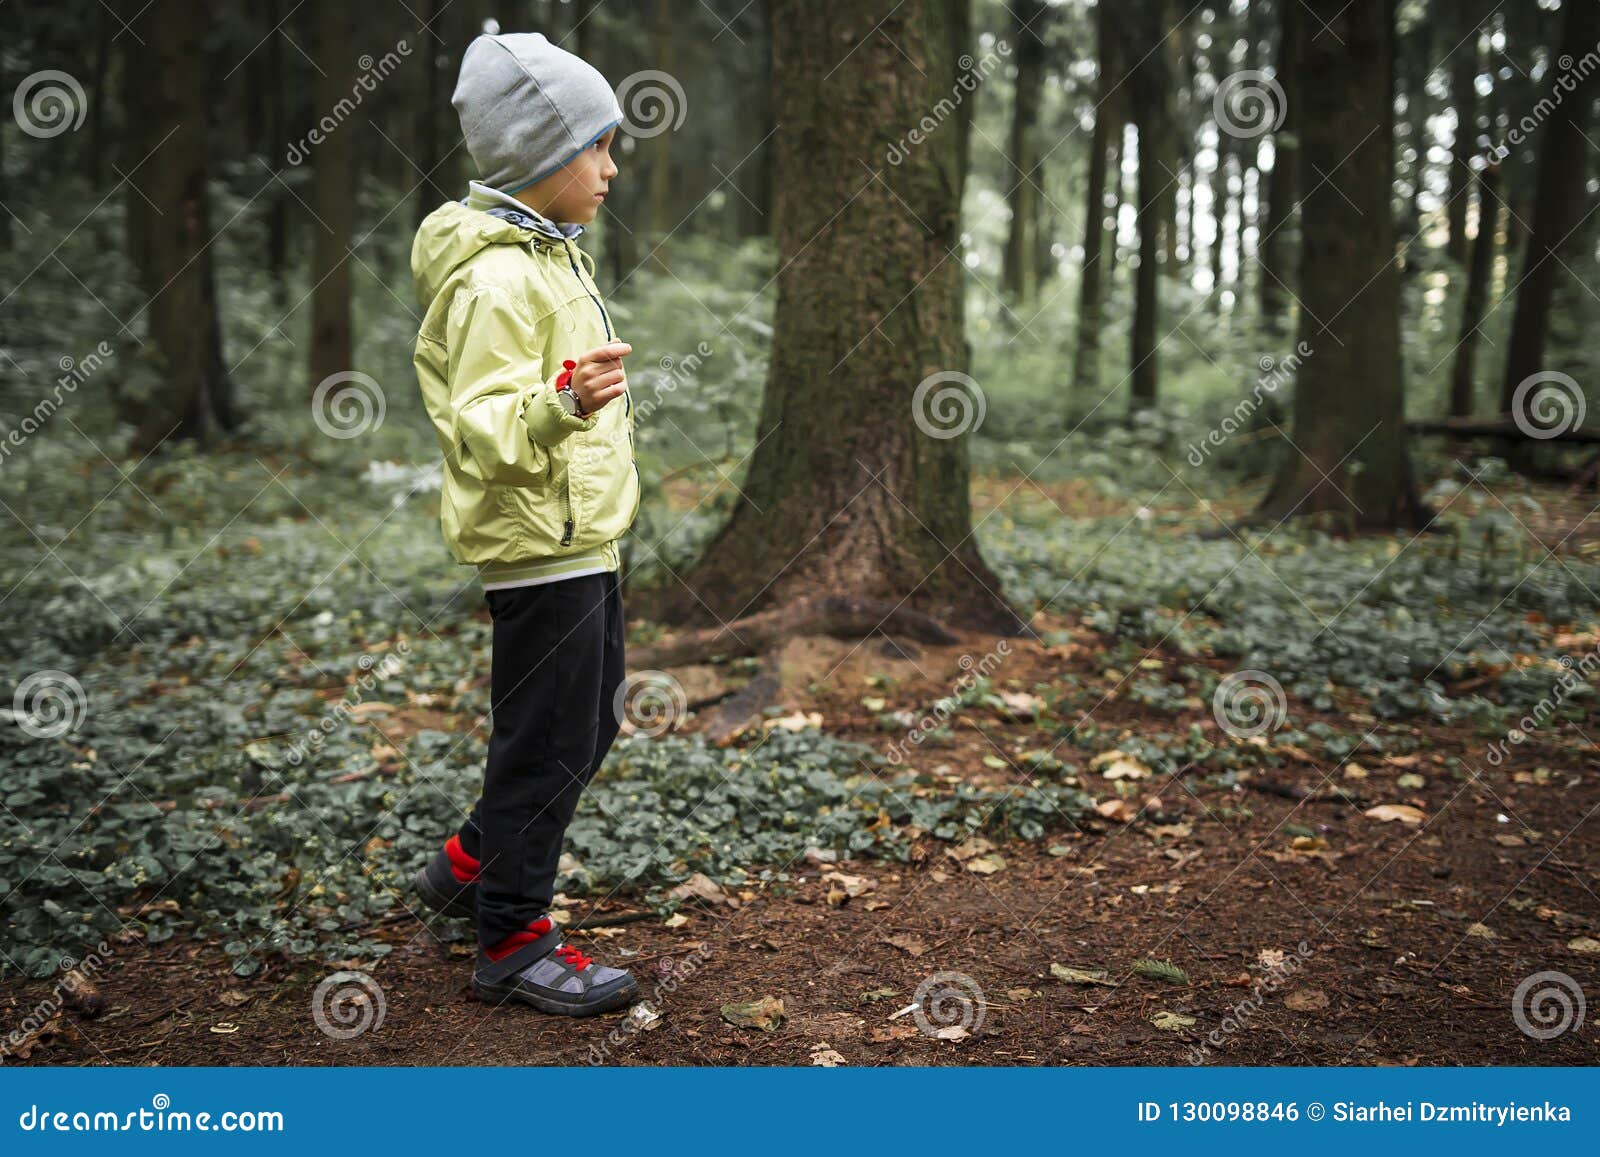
(333, 199)
(1557, 207)
(164, 153)
(1019, 272)
(848, 492)
(1464, 100)
(1477, 295)
(1151, 85)
(1276, 251)
(1348, 451)
(1086, 354)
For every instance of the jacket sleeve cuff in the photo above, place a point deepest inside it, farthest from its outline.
(548, 424)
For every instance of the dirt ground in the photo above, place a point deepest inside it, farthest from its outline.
(1370, 942)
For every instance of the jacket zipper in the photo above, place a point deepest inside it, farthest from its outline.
(566, 498)
(627, 401)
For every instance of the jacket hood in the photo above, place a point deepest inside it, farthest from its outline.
(458, 231)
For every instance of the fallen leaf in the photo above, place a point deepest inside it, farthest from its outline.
(1172, 1021)
(1170, 831)
(1306, 1000)
(907, 942)
(642, 1016)
(765, 1013)
(1119, 765)
(1071, 975)
(1481, 932)
(676, 920)
(873, 995)
(1118, 811)
(826, 1057)
(976, 846)
(798, 721)
(701, 887)
(1411, 781)
(986, 865)
(952, 1032)
(893, 1032)
(852, 886)
(1587, 945)
(1403, 812)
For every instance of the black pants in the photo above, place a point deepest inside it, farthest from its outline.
(557, 664)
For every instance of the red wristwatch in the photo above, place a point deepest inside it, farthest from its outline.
(565, 394)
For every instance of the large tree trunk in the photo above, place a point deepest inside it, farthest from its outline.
(859, 481)
(1348, 451)
(333, 196)
(1150, 84)
(1558, 205)
(1275, 250)
(164, 155)
(1477, 295)
(1019, 272)
(1086, 356)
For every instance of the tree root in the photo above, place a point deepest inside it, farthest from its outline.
(844, 616)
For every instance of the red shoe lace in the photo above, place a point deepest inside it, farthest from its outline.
(569, 955)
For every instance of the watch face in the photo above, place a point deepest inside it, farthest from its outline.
(569, 401)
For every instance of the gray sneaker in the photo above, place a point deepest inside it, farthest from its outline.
(442, 891)
(553, 977)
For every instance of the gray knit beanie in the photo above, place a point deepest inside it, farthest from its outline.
(528, 107)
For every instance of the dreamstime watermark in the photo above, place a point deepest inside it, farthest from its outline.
(1574, 678)
(1547, 405)
(1278, 967)
(949, 1005)
(948, 404)
(348, 404)
(1572, 75)
(74, 373)
(370, 672)
(49, 103)
(373, 73)
(49, 704)
(971, 671)
(650, 703)
(71, 976)
(1275, 373)
(1249, 104)
(347, 1004)
(646, 1013)
(1249, 704)
(652, 103)
(972, 74)
(1547, 1004)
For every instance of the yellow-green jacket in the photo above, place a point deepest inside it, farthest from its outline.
(529, 491)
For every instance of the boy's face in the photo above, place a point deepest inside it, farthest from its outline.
(573, 192)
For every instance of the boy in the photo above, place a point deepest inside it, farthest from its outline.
(521, 374)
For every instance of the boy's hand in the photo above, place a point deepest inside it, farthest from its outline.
(597, 378)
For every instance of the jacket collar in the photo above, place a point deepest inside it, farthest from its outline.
(506, 207)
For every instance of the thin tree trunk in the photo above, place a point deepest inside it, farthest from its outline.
(1477, 295)
(1558, 204)
(1464, 99)
(333, 193)
(1151, 92)
(1275, 250)
(1086, 355)
(1019, 274)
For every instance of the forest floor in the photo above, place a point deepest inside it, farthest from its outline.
(1358, 941)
